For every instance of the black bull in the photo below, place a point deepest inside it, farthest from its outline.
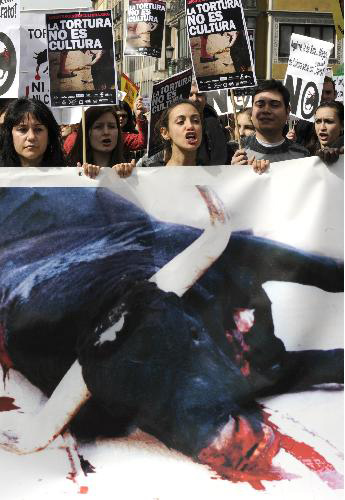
(76, 261)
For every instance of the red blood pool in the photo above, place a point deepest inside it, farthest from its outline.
(37, 76)
(309, 457)
(83, 490)
(229, 456)
(224, 457)
(6, 404)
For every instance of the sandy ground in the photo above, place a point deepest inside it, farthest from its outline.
(75, 59)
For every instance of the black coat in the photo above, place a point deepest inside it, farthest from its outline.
(213, 148)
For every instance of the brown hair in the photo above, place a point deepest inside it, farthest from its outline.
(164, 122)
(91, 115)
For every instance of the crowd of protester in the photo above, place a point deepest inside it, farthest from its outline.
(190, 131)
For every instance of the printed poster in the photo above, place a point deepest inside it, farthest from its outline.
(219, 43)
(221, 101)
(165, 93)
(305, 74)
(145, 26)
(9, 48)
(34, 73)
(338, 78)
(81, 58)
(275, 281)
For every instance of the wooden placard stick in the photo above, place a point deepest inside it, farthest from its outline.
(84, 132)
(235, 117)
(141, 75)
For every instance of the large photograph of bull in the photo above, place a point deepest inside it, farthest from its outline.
(126, 321)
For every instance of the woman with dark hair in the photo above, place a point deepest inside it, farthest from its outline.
(180, 128)
(327, 140)
(30, 136)
(104, 147)
(134, 132)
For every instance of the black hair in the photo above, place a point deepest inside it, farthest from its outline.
(16, 111)
(130, 125)
(276, 86)
(163, 121)
(91, 115)
(4, 103)
(328, 79)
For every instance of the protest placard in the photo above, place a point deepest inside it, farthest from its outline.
(220, 100)
(164, 94)
(145, 26)
(130, 88)
(219, 44)
(81, 58)
(9, 48)
(305, 74)
(33, 69)
(338, 78)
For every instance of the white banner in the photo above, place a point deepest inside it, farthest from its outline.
(9, 48)
(57, 225)
(305, 74)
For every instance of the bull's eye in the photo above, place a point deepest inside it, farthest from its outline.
(194, 333)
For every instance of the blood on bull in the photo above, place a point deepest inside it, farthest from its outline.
(131, 321)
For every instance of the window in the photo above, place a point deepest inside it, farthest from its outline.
(322, 32)
(183, 48)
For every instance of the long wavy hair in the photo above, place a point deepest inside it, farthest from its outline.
(91, 115)
(15, 113)
(163, 121)
(313, 145)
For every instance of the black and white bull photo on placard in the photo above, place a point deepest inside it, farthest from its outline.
(126, 321)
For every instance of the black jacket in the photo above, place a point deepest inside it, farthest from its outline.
(213, 148)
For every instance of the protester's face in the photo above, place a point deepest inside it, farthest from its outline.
(269, 113)
(65, 130)
(30, 140)
(328, 93)
(123, 117)
(184, 128)
(104, 133)
(196, 96)
(327, 126)
(245, 125)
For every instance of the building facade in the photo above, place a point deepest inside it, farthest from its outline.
(270, 23)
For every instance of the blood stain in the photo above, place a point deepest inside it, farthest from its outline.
(6, 404)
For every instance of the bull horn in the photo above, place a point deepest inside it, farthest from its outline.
(180, 274)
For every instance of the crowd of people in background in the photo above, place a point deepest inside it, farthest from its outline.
(190, 130)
